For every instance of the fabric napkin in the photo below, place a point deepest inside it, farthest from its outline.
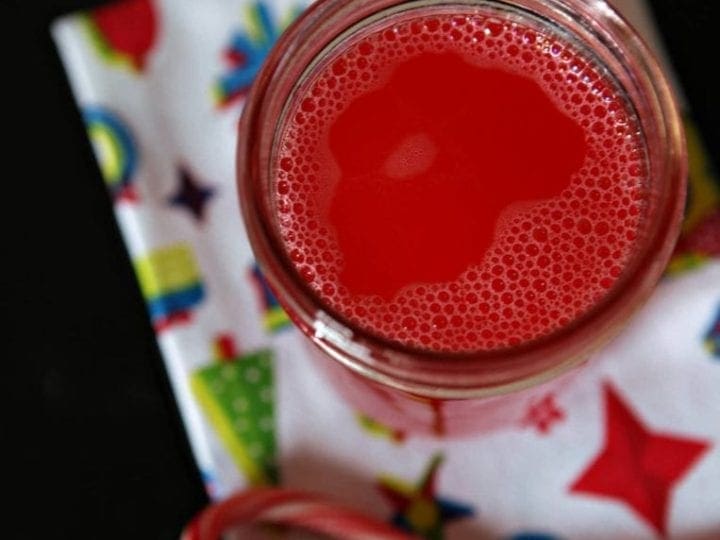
(630, 449)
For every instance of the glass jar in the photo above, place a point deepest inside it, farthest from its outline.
(430, 391)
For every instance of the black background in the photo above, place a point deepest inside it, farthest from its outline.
(97, 449)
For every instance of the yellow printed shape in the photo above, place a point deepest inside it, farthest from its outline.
(108, 152)
(376, 429)
(253, 23)
(166, 270)
(221, 423)
(276, 318)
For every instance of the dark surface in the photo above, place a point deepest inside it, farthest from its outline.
(97, 447)
(102, 449)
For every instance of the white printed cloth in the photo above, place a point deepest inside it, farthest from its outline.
(630, 449)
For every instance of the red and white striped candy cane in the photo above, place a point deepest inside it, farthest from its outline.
(289, 508)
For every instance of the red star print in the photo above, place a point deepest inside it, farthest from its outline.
(636, 465)
(544, 414)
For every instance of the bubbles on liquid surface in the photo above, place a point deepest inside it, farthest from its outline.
(550, 261)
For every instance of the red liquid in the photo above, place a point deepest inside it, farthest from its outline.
(459, 183)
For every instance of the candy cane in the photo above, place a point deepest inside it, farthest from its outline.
(289, 508)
